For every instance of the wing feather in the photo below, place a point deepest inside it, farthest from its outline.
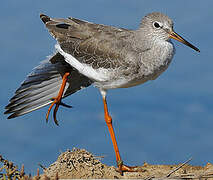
(98, 45)
(43, 84)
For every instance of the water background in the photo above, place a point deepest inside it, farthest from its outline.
(165, 121)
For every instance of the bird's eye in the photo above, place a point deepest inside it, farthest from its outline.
(156, 25)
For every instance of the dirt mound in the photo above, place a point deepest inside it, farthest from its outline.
(79, 163)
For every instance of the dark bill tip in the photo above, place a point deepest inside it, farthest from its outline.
(177, 37)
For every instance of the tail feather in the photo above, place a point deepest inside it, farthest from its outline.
(43, 84)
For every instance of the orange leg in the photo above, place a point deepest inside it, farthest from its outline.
(57, 100)
(122, 168)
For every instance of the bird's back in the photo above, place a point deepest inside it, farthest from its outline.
(98, 45)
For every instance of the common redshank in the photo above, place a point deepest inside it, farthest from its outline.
(105, 56)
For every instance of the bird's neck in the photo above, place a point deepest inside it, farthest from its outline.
(157, 57)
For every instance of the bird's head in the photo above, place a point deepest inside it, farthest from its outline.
(159, 26)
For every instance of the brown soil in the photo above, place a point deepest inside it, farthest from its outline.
(79, 163)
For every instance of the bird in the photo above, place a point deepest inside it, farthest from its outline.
(107, 57)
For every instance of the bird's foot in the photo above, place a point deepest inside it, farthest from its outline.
(124, 168)
(57, 100)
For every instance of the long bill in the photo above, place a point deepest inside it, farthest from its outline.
(177, 37)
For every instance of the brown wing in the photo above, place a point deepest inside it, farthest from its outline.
(94, 44)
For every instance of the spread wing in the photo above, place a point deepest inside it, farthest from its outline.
(94, 44)
(42, 84)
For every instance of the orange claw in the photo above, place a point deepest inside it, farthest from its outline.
(57, 100)
(124, 168)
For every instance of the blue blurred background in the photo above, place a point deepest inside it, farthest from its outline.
(165, 121)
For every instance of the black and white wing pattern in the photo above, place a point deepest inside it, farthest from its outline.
(43, 84)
